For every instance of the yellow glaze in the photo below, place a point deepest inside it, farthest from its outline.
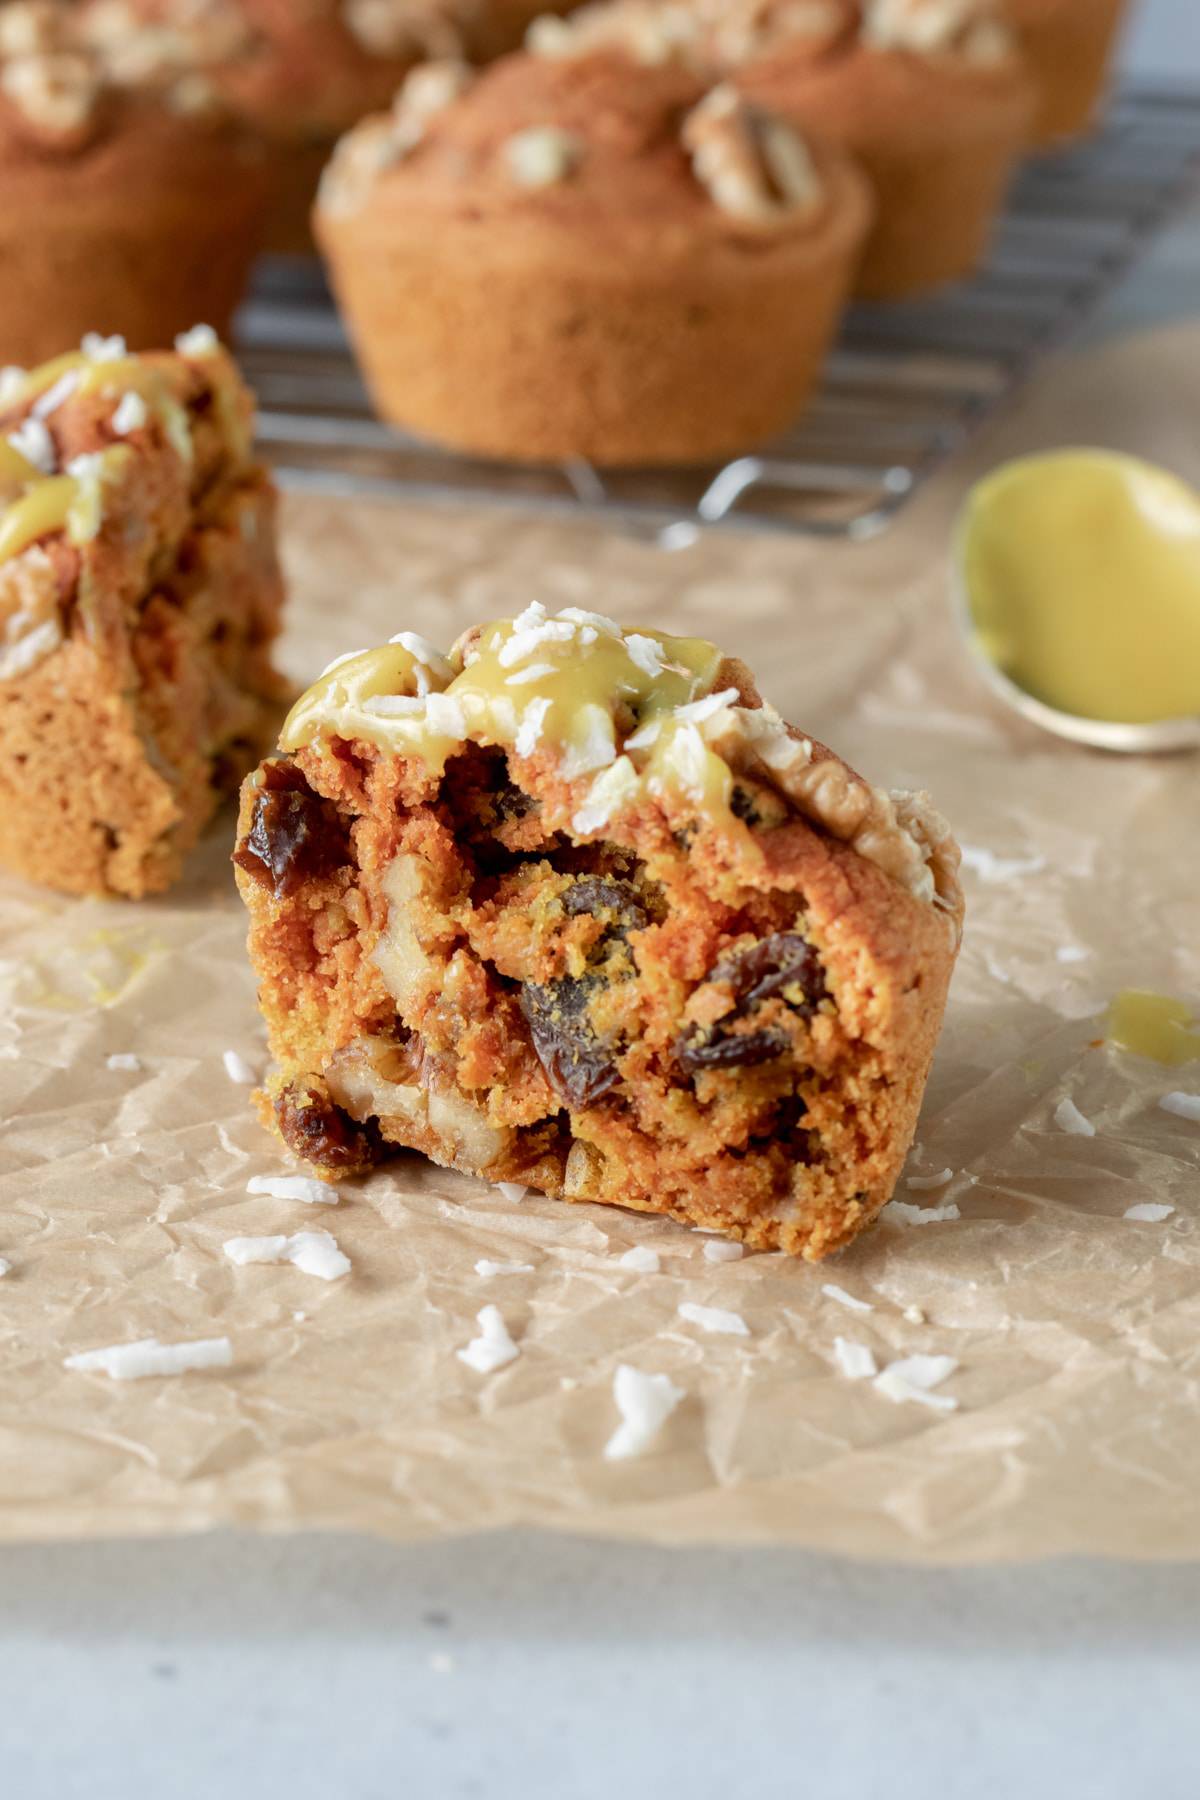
(1153, 1025)
(603, 701)
(1082, 573)
(49, 503)
(15, 470)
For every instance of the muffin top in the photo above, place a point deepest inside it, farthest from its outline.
(294, 67)
(730, 34)
(64, 95)
(596, 144)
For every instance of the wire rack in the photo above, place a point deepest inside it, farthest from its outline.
(905, 387)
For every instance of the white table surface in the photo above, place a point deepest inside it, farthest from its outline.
(334, 1668)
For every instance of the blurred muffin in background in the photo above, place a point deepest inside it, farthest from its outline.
(1068, 45)
(929, 96)
(298, 71)
(588, 258)
(134, 202)
(301, 72)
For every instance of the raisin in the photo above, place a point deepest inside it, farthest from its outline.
(784, 965)
(294, 836)
(579, 1064)
(316, 1129)
(741, 805)
(730, 1052)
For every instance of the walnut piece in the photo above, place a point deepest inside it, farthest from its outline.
(754, 166)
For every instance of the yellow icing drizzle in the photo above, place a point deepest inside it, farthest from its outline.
(576, 685)
(1153, 1025)
(16, 470)
(1082, 572)
(49, 503)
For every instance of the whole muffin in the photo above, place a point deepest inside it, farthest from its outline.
(300, 72)
(588, 258)
(1068, 46)
(133, 202)
(929, 96)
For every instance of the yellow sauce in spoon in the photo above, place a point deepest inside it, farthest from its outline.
(1082, 572)
(1153, 1025)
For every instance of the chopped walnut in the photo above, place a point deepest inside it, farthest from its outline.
(647, 30)
(969, 28)
(402, 27)
(55, 93)
(387, 138)
(740, 30)
(542, 155)
(754, 166)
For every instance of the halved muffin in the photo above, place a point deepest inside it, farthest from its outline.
(572, 907)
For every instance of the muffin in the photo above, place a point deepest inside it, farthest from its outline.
(927, 95)
(588, 257)
(131, 205)
(573, 908)
(299, 74)
(1068, 47)
(139, 597)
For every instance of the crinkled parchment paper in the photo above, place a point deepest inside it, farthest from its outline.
(1077, 1331)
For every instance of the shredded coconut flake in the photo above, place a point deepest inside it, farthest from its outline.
(533, 672)
(121, 1059)
(529, 732)
(5, 1266)
(992, 868)
(54, 396)
(201, 340)
(645, 654)
(1149, 1212)
(694, 712)
(525, 639)
(444, 714)
(512, 1190)
(395, 706)
(100, 349)
(312, 1252)
(922, 1215)
(915, 1316)
(723, 1250)
(12, 380)
(595, 748)
(856, 1361)
(488, 1269)
(607, 794)
(32, 440)
(645, 1403)
(493, 1348)
(598, 622)
(924, 1183)
(132, 1362)
(238, 1069)
(1071, 953)
(1184, 1106)
(833, 1292)
(913, 1377)
(1068, 1117)
(642, 1259)
(28, 651)
(130, 414)
(294, 1187)
(713, 1318)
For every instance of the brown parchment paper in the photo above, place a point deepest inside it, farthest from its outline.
(1077, 1330)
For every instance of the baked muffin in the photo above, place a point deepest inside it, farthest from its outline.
(928, 96)
(139, 596)
(1068, 46)
(131, 203)
(300, 72)
(572, 907)
(587, 258)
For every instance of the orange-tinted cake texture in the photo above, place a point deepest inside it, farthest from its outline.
(573, 907)
(139, 596)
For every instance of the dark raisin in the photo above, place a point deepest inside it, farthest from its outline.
(579, 1064)
(294, 836)
(730, 1052)
(741, 805)
(784, 965)
(316, 1129)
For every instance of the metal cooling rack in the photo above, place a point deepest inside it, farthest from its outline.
(905, 387)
